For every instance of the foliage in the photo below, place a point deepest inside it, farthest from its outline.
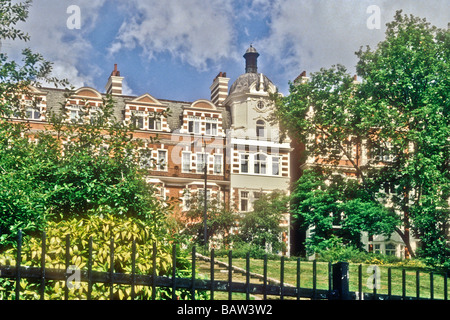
(407, 79)
(400, 114)
(336, 206)
(261, 228)
(73, 167)
(21, 201)
(220, 219)
(103, 227)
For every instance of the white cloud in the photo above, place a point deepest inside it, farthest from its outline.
(67, 49)
(194, 31)
(310, 34)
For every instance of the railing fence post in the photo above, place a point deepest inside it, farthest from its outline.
(340, 281)
(18, 263)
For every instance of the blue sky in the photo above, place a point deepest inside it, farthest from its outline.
(173, 49)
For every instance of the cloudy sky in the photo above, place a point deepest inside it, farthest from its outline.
(173, 49)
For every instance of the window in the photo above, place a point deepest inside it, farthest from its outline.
(244, 201)
(377, 249)
(390, 249)
(202, 161)
(260, 164)
(33, 113)
(384, 152)
(218, 163)
(349, 147)
(244, 163)
(76, 114)
(275, 166)
(260, 128)
(138, 122)
(162, 191)
(260, 105)
(187, 199)
(162, 160)
(201, 193)
(154, 123)
(211, 129)
(186, 162)
(145, 159)
(94, 116)
(194, 127)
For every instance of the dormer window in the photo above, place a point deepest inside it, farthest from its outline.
(154, 123)
(75, 114)
(139, 121)
(211, 129)
(194, 127)
(33, 114)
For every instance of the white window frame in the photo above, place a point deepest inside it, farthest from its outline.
(77, 111)
(137, 118)
(196, 126)
(211, 128)
(186, 164)
(203, 156)
(261, 164)
(186, 200)
(276, 161)
(164, 165)
(154, 124)
(244, 158)
(243, 196)
(35, 113)
(218, 163)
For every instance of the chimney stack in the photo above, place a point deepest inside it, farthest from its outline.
(219, 89)
(114, 85)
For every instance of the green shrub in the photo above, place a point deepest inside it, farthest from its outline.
(102, 229)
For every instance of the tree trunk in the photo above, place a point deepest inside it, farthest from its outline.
(409, 252)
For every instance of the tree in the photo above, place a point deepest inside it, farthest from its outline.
(399, 115)
(70, 169)
(262, 227)
(220, 219)
(21, 203)
(407, 80)
(333, 205)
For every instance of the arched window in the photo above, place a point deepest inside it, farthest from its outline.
(260, 128)
(260, 164)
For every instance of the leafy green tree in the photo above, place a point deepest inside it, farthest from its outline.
(220, 219)
(262, 227)
(399, 115)
(73, 167)
(335, 206)
(406, 91)
(21, 202)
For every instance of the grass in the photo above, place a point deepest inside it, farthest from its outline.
(322, 282)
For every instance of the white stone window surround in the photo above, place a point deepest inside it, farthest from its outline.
(162, 160)
(268, 165)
